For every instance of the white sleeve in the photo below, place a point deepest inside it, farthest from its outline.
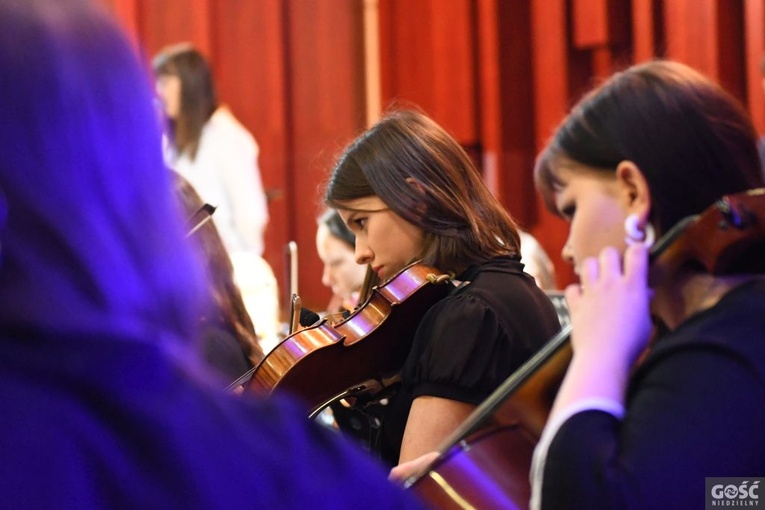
(243, 186)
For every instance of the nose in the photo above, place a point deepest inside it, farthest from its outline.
(567, 253)
(362, 252)
(325, 280)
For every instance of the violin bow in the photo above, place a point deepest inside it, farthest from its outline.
(200, 217)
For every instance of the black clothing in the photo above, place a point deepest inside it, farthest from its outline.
(695, 408)
(469, 342)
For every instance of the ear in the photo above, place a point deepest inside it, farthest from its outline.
(636, 191)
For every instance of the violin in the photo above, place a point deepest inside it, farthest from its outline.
(486, 462)
(359, 355)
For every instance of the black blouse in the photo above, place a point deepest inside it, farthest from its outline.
(695, 409)
(468, 343)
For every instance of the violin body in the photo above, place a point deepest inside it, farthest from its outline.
(323, 362)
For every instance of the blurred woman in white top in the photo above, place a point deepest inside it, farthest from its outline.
(219, 157)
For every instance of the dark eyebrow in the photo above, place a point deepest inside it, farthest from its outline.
(366, 210)
(354, 212)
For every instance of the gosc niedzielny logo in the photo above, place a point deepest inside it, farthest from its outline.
(733, 492)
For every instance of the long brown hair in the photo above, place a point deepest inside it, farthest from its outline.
(462, 221)
(198, 98)
(227, 307)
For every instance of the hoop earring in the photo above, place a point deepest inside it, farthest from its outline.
(637, 236)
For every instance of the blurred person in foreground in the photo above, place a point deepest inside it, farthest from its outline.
(102, 404)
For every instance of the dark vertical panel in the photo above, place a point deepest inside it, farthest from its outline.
(518, 144)
(553, 78)
(604, 28)
(453, 83)
(708, 35)
(729, 26)
(406, 60)
(489, 27)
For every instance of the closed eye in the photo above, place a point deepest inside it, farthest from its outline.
(336, 263)
(567, 212)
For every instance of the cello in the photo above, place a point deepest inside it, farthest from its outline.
(360, 355)
(486, 462)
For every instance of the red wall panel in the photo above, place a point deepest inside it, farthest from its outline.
(754, 51)
(499, 75)
(249, 48)
(327, 110)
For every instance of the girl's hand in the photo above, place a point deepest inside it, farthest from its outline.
(610, 309)
(414, 466)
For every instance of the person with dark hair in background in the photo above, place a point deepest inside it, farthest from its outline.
(208, 146)
(229, 343)
(649, 147)
(408, 192)
(101, 294)
(335, 244)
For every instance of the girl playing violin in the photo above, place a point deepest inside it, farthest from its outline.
(409, 192)
(650, 146)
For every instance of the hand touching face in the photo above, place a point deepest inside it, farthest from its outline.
(610, 308)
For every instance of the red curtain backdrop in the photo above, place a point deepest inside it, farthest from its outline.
(498, 75)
